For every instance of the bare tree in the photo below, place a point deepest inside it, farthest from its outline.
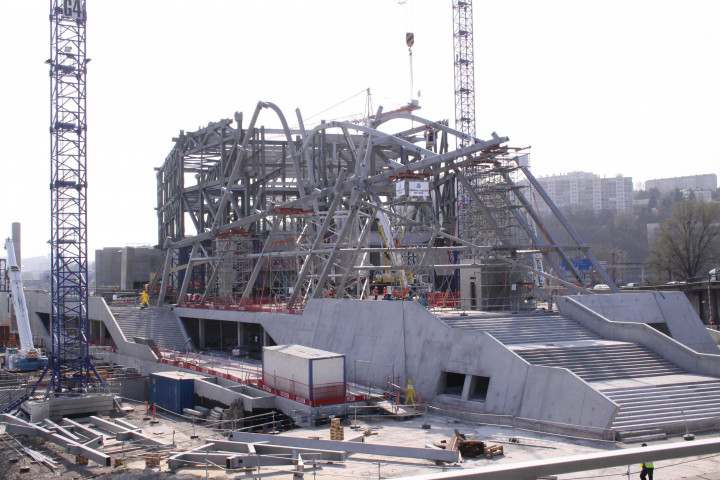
(687, 243)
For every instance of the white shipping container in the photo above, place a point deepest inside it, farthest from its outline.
(303, 371)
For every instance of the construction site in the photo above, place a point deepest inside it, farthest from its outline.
(381, 288)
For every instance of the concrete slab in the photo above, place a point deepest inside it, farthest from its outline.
(58, 408)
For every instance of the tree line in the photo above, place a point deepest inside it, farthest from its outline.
(684, 246)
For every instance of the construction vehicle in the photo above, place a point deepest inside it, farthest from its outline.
(27, 358)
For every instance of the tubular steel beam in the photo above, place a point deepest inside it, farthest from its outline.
(349, 447)
(16, 425)
(579, 463)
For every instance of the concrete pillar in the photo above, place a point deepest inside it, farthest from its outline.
(16, 243)
(101, 332)
(241, 334)
(467, 387)
(201, 332)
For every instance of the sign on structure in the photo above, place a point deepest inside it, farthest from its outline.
(412, 188)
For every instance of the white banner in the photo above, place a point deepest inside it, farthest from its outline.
(419, 189)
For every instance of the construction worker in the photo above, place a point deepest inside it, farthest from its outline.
(376, 292)
(144, 299)
(430, 137)
(647, 468)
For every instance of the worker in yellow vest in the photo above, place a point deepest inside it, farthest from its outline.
(647, 468)
(144, 299)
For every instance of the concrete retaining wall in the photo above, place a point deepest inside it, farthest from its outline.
(208, 388)
(670, 308)
(402, 340)
(97, 310)
(384, 339)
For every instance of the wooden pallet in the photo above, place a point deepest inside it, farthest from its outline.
(337, 432)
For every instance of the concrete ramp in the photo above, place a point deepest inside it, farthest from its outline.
(157, 324)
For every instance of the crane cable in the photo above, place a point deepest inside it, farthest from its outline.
(409, 39)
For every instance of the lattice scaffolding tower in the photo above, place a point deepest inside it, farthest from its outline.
(70, 363)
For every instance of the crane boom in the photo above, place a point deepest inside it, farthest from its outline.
(18, 298)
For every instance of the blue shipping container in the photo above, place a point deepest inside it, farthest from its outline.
(172, 391)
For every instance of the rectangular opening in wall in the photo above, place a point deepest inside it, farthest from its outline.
(479, 389)
(453, 383)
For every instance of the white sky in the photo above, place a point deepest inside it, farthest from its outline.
(604, 86)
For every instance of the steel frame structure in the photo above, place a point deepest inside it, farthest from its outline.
(70, 362)
(277, 215)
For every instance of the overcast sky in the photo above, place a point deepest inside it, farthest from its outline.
(611, 87)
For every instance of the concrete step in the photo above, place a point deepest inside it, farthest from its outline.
(640, 398)
(518, 329)
(602, 362)
(667, 417)
(678, 404)
(160, 325)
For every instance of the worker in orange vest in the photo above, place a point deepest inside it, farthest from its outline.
(376, 292)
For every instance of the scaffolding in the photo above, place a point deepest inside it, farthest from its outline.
(268, 218)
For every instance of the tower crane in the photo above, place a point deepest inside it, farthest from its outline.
(70, 363)
(464, 67)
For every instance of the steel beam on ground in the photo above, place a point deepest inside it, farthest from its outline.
(81, 429)
(270, 449)
(16, 425)
(349, 447)
(125, 434)
(579, 463)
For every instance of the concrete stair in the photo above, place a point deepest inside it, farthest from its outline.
(603, 362)
(523, 328)
(695, 404)
(655, 396)
(159, 324)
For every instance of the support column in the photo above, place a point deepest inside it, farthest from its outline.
(241, 334)
(201, 332)
(467, 388)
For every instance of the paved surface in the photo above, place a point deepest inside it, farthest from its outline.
(406, 433)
